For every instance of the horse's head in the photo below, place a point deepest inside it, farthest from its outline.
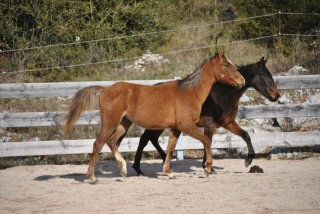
(263, 81)
(226, 72)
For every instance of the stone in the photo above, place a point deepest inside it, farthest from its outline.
(270, 128)
(289, 155)
(273, 156)
(284, 100)
(35, 139)
(245, 98)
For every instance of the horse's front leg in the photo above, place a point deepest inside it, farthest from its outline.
(209, 127)
(173, 138)
(236, 129)
(193, 131)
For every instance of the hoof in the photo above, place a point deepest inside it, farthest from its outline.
(140, 175)
(247, 162)
(207, 172)
(171, 176)
(93, 182)
(213, 171)
(123, 173)
(93, 179)
(123, 169)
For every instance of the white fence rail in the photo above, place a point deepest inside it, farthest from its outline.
(23, 90)
(29, 119)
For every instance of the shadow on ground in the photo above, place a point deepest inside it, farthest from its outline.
(109, 169)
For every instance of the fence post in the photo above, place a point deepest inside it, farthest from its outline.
(179, 146)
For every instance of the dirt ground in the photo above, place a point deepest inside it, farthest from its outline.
(286, 186)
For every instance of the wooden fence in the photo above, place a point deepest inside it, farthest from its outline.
(29, 119)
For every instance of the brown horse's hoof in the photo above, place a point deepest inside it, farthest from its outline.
(207, 172)
(123, 173)
(96, 181)
(171, 176)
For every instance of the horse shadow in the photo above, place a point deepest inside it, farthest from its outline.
(109, 169)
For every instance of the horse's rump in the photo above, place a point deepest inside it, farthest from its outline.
(83, 100)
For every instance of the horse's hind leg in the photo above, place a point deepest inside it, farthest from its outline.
(144, 139)
(209, 128)
(147, 135)
(109, 125)
(236, 129)
(112, 141)
(97, 147)
(155, 142)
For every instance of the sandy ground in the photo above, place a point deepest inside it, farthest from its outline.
(286, 186)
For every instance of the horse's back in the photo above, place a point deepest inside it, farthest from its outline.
(148, 106)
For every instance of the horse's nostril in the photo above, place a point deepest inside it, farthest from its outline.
(278, 96)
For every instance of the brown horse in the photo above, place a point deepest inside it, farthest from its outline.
(220, 110)
(174, 104)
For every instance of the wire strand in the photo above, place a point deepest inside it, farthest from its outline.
(300, 35)
(315, 14)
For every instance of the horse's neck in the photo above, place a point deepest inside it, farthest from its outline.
(227, 95)
(247, 74)
(204, 87)
(240, 92)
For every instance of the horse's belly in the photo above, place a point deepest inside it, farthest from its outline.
(147, 120)
(225, 120)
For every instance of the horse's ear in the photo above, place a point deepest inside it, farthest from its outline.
(221, 53)
(263, 61)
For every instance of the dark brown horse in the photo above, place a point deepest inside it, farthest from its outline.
(220, 110)
(175, 105)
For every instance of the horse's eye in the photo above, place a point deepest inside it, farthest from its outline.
(227, 66)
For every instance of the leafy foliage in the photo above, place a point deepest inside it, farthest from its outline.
(38, 34)
(28, 24)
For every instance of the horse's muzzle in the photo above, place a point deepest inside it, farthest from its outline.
(276, 98)
(240, 85)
